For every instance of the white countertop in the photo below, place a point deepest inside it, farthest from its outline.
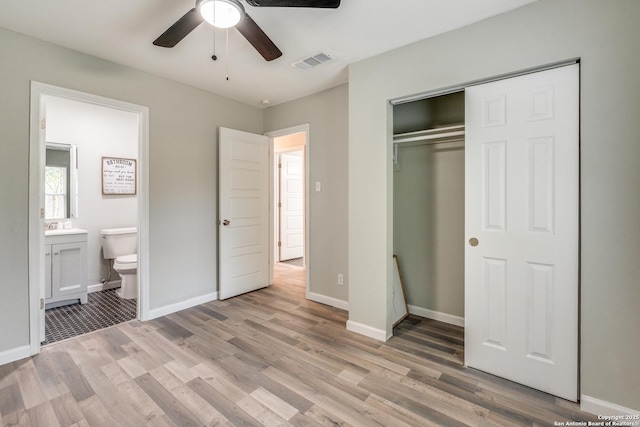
(65, 231)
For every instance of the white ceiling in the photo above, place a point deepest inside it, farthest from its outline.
(122, 31)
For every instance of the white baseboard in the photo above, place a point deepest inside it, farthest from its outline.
(172, 308)
(367, 331)
(436, 315)
(323, 299)
(14, 354)
(602, 407)
(103, 286)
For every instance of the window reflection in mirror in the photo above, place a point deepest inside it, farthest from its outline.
(61, 181)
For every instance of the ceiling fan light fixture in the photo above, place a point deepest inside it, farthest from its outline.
(221, 13)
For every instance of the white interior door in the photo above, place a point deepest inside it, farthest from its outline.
(243, 238)
(291, 206)
(521, 221)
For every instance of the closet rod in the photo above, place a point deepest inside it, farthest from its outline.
(429, 134)
(429, 141)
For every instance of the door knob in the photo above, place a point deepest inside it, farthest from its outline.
(473, 241)
(226, 222)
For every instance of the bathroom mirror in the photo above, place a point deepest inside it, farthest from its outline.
(61, 181)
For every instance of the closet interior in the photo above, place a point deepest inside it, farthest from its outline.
(428, 204)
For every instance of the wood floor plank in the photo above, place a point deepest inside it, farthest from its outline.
(112, 340)
(139, 400)
(274, 403)
(95, 412)
(30, 388)
(331, 397)
(67, 410)
(12, 399)
(50, 381)
(325, 418)
(261, 413)
(170, 329)
(236, 415)
(111, 397)
(304, 420)
(175, 410)
(18, 418)
(71, 375)
(43, 415)
(156, 344)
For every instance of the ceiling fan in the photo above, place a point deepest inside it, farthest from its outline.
(215, 12)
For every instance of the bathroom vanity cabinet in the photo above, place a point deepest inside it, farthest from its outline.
(66, 267)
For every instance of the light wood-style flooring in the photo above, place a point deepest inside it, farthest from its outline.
(265, 358)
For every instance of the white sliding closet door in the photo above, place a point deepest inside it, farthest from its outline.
(521, 226)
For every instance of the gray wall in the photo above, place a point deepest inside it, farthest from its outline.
(182, 170)
(327, 116)
(428, 226)
(604, 35)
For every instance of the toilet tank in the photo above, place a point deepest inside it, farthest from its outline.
(119, 241)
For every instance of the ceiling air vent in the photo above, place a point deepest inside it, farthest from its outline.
(312, 61)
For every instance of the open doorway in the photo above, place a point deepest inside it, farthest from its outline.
(290, 187)
(72, 284)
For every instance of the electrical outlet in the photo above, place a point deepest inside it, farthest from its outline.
(340, 279)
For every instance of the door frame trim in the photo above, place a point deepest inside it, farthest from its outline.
(272, 158)
(36, 190)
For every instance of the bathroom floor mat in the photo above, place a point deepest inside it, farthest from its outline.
(103, 309)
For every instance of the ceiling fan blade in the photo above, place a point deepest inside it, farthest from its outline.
(258, 39)
(295, 3)
(180, 29)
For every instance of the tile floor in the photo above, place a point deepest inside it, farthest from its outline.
(103, 309)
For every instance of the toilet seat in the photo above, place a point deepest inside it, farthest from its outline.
(126, 264)
(127, 259)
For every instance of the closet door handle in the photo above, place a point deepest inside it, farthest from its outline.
(226, 222)
(473, 242)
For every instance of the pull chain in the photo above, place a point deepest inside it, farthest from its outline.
(227, 54)
(214, 56)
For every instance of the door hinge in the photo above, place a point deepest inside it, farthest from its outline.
(41, 213)
(279, 165)
(43, 124)
(279, 244)
(279, 204)
(41, 303)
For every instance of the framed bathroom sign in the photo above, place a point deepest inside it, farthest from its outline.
(118, 176)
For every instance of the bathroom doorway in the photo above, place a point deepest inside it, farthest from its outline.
(290, 205)
(72, 285)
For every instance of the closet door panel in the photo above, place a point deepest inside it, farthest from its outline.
(521, 225)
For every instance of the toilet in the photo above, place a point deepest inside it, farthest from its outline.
(121, 245)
